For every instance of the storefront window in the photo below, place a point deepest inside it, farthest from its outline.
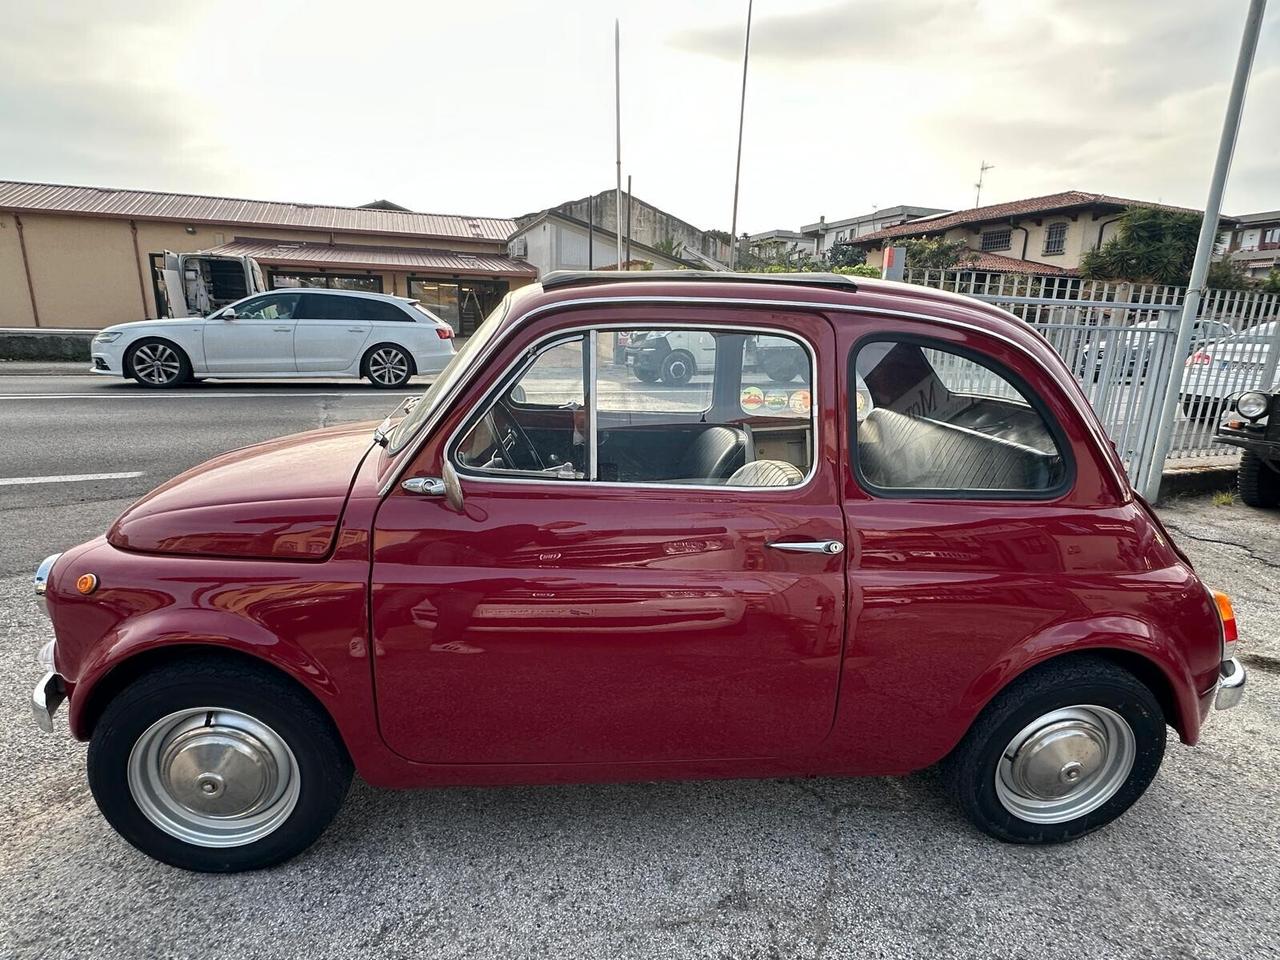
(330, 281)
(460, 303)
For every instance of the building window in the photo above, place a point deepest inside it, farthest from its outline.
(1270, 238)
(1055, 239)
(329, 281)
(997, 240)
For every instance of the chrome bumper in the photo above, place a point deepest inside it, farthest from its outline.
(45, 700)
(1231, 679)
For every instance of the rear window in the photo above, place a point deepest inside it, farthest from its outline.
(318, 306)
(937, 420)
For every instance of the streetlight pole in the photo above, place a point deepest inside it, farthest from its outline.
(617, 124)
(1204, 248)
(737, 170)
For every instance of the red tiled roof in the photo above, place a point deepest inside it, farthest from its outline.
(23, 197)
(997, 263)
(1068, 199)
(373, 257)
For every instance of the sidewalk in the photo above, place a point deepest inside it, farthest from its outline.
(44, 368)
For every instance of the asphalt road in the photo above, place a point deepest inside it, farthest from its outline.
(780, 868)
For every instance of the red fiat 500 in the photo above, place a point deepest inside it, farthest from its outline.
(866, 529)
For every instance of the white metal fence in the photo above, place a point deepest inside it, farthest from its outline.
(1117, 337)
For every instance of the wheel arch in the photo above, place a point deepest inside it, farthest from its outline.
(377, 344)
(88, 708)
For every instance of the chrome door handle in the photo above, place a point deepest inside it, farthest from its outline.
(425, 486)
(282, 329)
(829, 547)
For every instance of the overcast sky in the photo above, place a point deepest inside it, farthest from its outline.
(500, 108)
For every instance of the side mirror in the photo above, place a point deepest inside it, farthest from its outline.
(452, 486)
(228, 314)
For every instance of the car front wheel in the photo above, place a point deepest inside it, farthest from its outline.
(1258, 481)
(217, 766)
(1059, 753)
(387, 366)
(157, 364)
(678, 368)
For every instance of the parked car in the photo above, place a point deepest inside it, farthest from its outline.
(1228, 366)
(285, 333)
(674, 357)
(929, 554)
(1128, 351)
(1252, 423)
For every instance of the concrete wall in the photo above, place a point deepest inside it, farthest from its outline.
(84, 270)
(649, 225)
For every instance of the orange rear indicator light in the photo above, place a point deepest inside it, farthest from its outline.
(86, 583)
(1228, 617)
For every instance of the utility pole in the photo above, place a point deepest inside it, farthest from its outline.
(629, 205)
(737, 170)
(1204, 248)
(983, 167)
(617, 125)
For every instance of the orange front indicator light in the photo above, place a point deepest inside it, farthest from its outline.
(86, 583)
(1228, 617)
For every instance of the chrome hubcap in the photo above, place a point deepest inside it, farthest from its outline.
(1065, 764)
(156, 363)
(389, 366)
(213, 777)
(678, 370)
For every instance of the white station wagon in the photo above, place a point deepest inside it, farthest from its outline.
(296, 333)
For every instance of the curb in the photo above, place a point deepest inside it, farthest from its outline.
(1210, 478)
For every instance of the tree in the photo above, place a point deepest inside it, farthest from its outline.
(936, 253)
(846, 255)
(1272, 283)
(1228, 275)
(1149, 246)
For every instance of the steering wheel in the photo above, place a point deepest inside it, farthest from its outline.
(518, 451)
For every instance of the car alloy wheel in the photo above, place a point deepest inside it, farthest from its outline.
(1065, 764)
(213, 777)
(157, 364)
(388, 367)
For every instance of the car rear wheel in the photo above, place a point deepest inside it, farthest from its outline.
(678, 368)
(217, 766)
(387, 366)
(157, 364)
(1062, 751)
(1258, 481)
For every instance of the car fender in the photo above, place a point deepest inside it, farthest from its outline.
(192, 631)
(1108, 635)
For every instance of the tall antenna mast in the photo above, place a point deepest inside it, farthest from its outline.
(737, 170)
(617, 123)
(982, 173)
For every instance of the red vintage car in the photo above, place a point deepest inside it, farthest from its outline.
(920, 548)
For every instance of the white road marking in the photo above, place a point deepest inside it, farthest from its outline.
(69, 478)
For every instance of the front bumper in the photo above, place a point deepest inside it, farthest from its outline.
(1231, 680)
(45, 700)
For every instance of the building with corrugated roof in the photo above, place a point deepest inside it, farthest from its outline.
(80, 257)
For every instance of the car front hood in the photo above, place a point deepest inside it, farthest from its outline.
(279, 500)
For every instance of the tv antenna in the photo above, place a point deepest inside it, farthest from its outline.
(982, 173)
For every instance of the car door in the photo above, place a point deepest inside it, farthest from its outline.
(332, 329)
(252, 336)
(553, 617)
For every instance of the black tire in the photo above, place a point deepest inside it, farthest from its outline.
(151, 362)
(1258, 481)
(678, 368)
(323, 766)
(970, 771)
(387, 366)
(785, 368)
(645, 375)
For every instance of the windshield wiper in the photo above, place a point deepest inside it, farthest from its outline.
(382, 434)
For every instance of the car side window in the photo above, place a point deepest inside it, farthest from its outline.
(320, 306)
(536, 425)
(278, 306)
(687, 406)
(380, 311)
(933, 419)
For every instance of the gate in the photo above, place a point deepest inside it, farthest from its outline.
(1117, 339)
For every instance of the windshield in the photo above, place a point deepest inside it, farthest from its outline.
(449, 377)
